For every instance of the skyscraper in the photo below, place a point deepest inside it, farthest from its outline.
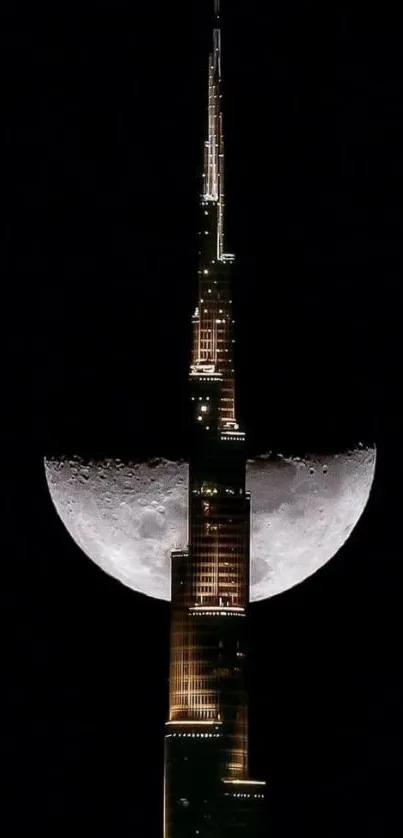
(207, 789)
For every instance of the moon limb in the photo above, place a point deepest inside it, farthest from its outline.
(127, 517)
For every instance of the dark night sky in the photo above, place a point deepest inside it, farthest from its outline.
(102, 123)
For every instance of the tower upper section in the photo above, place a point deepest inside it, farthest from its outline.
(212, 355)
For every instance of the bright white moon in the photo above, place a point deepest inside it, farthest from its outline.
(127, 517)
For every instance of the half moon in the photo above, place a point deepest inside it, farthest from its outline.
(127, 517)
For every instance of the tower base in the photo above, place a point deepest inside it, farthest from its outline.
(197, 801)
(242, 809)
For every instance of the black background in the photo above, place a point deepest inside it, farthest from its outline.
(102, 128)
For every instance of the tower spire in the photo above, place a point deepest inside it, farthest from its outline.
(213, 187)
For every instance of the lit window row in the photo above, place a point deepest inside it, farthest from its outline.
(216, 612)
(193, 735)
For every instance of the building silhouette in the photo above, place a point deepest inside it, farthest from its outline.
(207, 789)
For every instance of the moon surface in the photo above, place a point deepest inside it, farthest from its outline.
(127, 517)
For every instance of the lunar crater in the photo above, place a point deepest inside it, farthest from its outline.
(127, 517)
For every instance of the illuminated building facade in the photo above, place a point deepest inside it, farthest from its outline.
(207, 789)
